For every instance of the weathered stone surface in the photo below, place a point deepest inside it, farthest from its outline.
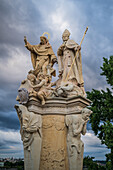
(53, 115)
(76, 125)
(72, 105)
(31, 135)
(54, 148)
(70, 66)
(63, 121)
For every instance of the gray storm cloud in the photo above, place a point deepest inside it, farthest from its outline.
(32, 18)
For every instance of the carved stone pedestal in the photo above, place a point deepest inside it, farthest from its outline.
(54, 150)
(58, 138)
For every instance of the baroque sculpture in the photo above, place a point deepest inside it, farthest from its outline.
(42, 56)
(31, 136)
(70, 74)
(53, 115)
(76, 126)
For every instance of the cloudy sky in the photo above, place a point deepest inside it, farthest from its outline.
(31, 18)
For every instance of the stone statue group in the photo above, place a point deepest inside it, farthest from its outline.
(38, 82)
(38, 85)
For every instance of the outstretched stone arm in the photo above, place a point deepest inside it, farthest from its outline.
(25, 40)
(28, 45)
(39, 85)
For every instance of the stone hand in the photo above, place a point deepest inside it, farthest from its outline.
(25, 39)
(54, 60)
(36, 86)
(62, 46)
(79, 48)
(86, 121)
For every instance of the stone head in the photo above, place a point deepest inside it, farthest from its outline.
(23, 96)
(43, 40)
(31, 77)
(65, 35)
(86, 113)
(40, 76)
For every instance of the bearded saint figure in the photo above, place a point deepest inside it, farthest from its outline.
(42, 56)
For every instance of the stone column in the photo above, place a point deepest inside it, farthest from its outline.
(55, 149)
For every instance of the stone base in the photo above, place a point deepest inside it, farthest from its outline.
(54, 153)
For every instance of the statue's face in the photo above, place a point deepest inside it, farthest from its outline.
(85, 116)
(31, 77)
(65, 37)
(43, 41)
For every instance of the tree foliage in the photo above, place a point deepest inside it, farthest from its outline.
(108, 70)
(18, 165)
(91, 165)
(102, 106)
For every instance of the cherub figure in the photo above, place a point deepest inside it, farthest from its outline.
(26, 88)
(43, 89)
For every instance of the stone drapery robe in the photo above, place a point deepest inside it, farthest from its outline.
(41, 55)
(65, 59)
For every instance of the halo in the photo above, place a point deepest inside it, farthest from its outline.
(47, 34)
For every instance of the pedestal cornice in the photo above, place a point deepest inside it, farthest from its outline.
(60, 106)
